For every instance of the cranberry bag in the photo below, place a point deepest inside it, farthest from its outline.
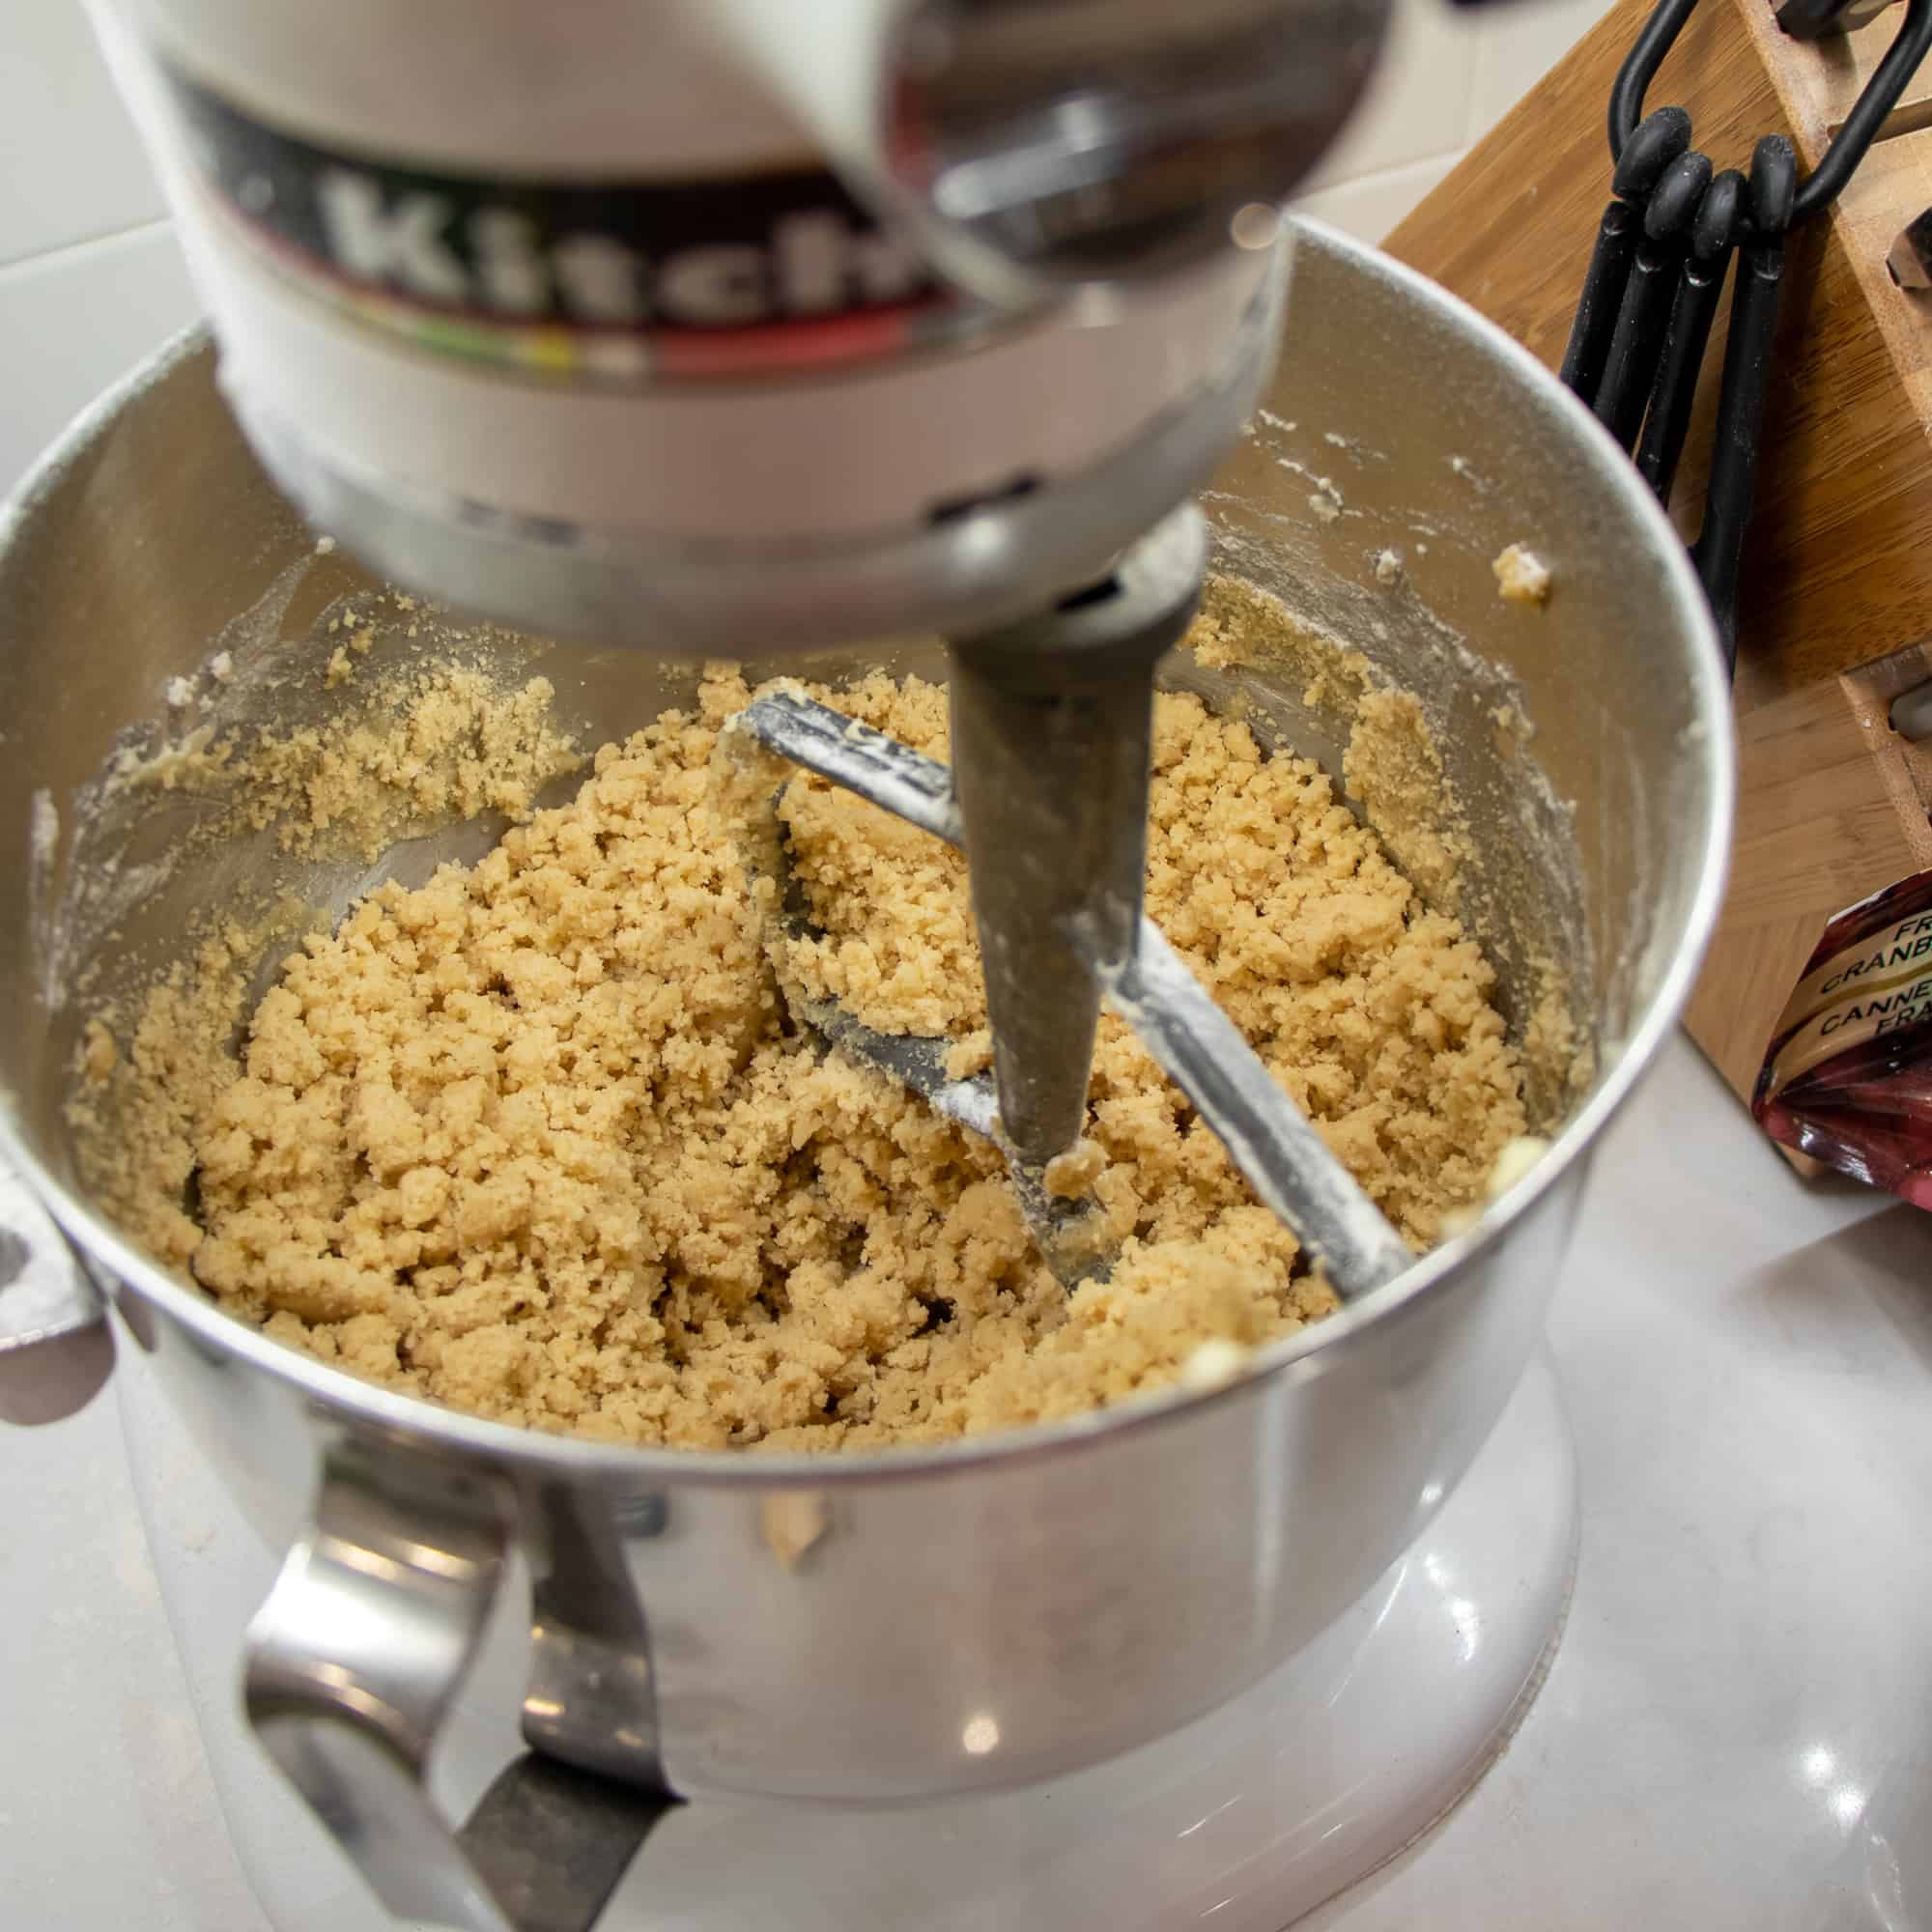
(1847, 1078)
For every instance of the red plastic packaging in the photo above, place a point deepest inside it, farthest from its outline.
(1847, 1077)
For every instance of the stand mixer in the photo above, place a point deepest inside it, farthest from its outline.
(650, 328)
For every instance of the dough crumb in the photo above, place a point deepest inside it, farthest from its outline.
(1514, 1162)
(1388, 567)
(44, 829)
(794, 1521)
(1073, 1173)
(973, 1054)
(1215, 1364)
(1513, 730)
(1522, 576)
(99, 1056)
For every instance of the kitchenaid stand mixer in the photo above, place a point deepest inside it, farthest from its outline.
(668, 380)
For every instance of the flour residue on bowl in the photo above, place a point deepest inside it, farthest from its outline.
(418, 748)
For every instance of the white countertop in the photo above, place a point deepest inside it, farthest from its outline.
(107, 1813)
(1734, 1730)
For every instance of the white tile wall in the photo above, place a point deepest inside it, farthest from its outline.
(1370, 205)
(1517, 43)
(90, 277)
(70, 165)
(71, 320)
(1418, 99)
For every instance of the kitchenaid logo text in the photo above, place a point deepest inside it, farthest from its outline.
(813, 262)
(781, 245)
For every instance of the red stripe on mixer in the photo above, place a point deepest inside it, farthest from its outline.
(788, 345)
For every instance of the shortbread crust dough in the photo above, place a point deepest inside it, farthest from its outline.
(538, 1141)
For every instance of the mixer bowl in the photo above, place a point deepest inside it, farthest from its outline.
(1003, 1609)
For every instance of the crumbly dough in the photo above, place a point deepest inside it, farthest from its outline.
(1522, 576)
(539, 1141)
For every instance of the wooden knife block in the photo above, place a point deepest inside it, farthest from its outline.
(1835, 616)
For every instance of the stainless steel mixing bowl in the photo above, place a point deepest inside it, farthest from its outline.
(1003, 1609)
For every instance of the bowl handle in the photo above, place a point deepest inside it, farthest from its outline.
(352, 1665)
(56, 1348)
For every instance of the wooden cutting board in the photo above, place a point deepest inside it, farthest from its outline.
(1835, 616)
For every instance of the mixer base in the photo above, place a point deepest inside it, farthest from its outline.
(1255, 1815)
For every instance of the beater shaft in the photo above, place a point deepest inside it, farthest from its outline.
(1052, 722)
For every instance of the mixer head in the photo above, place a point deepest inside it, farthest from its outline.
(698, 323)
